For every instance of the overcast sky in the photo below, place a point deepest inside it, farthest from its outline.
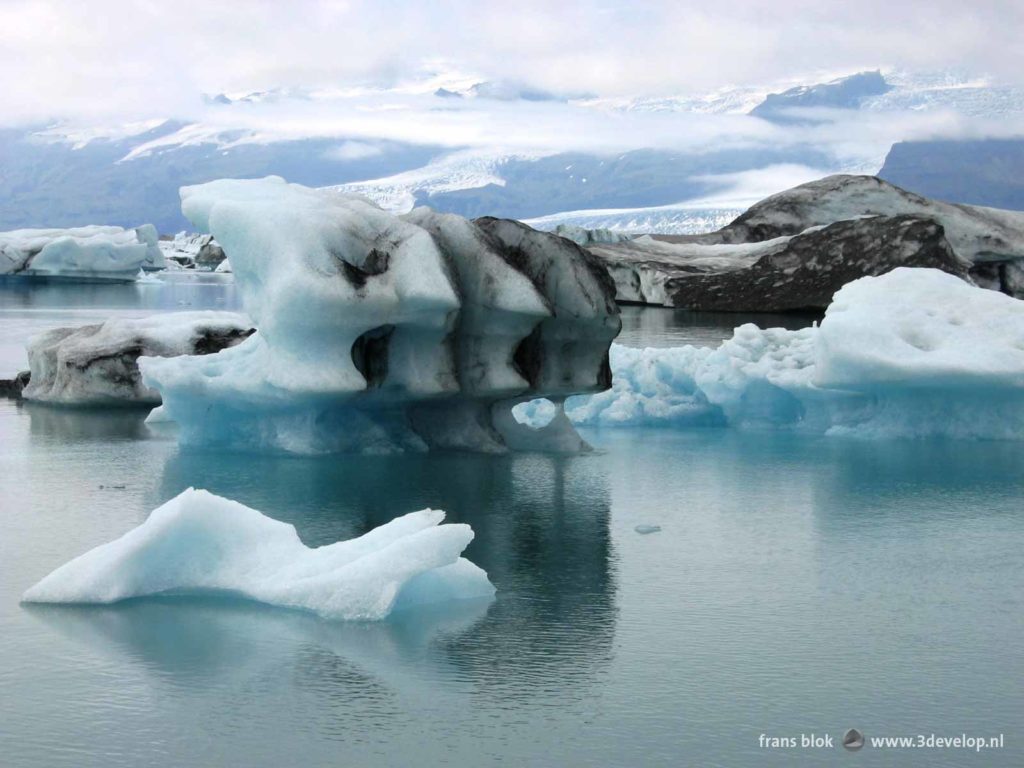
(64, 57)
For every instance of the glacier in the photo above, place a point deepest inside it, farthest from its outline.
(91, 253)
(200, 544)
(380, 333)
(97, 364)
(911, 353)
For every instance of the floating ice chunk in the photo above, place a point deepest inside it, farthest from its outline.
(536, 413)
(977, 234)
(147, 278)
(645, 529)
(97, 364)
(381, 333)
(198, 543)
(650, 387)
(920, 328)
(148, 235)
(194, 251)
(93, 253)
(912, 353)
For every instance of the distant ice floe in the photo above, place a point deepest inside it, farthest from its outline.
(912, 353)
(92, 253)
(195, 251)
(201, 544)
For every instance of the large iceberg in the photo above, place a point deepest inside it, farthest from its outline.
(97, 364)
(795, 249)
(912, 353)
(379, 333)
(94, 253)
(201, 544)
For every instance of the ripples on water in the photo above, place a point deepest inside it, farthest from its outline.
(796, 584)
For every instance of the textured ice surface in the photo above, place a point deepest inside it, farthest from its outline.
(194, 250)
(97, 364)
(198, 544)
(642, 266)
(148, 235)
(88, 253)
(794, 249)
(912, 353)
(976, 233)
(380, 333)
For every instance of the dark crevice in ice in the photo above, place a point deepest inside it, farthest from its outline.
(370, 354)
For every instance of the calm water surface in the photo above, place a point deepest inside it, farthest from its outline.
(797, 585)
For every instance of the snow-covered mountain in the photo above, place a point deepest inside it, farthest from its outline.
(950, 91)
(466, 144)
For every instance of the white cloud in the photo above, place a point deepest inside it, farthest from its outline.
(63, 57)
(353, 150)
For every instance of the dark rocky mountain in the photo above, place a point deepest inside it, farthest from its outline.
(54, 184)
(844, 93)
(980, 172)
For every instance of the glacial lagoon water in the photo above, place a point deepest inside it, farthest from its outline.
(797, 585)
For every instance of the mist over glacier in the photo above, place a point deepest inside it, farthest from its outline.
(437, 137)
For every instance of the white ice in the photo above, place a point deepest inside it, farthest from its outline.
(201, 544)
(193, 249)
(912, 353)
(380, 333)
(85, 253)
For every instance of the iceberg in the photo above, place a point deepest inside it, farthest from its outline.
(912, 353)
(194, 251)
(92, 253)
(154, 260)
(380, 333)
(795, 249)
(97, 364)
(201, 544)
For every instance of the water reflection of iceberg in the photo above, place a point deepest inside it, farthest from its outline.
(185, 645)
(541, 525)
(77, 425)
(542, 535)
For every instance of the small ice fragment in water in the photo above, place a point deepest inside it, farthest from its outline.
(198, 543)
(647, 528)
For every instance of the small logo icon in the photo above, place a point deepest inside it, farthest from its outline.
(853, 740)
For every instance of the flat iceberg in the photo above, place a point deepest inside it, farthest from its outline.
(91, 253)
(97, 364)
(201, 544)
(381, 333)
(912, 353)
